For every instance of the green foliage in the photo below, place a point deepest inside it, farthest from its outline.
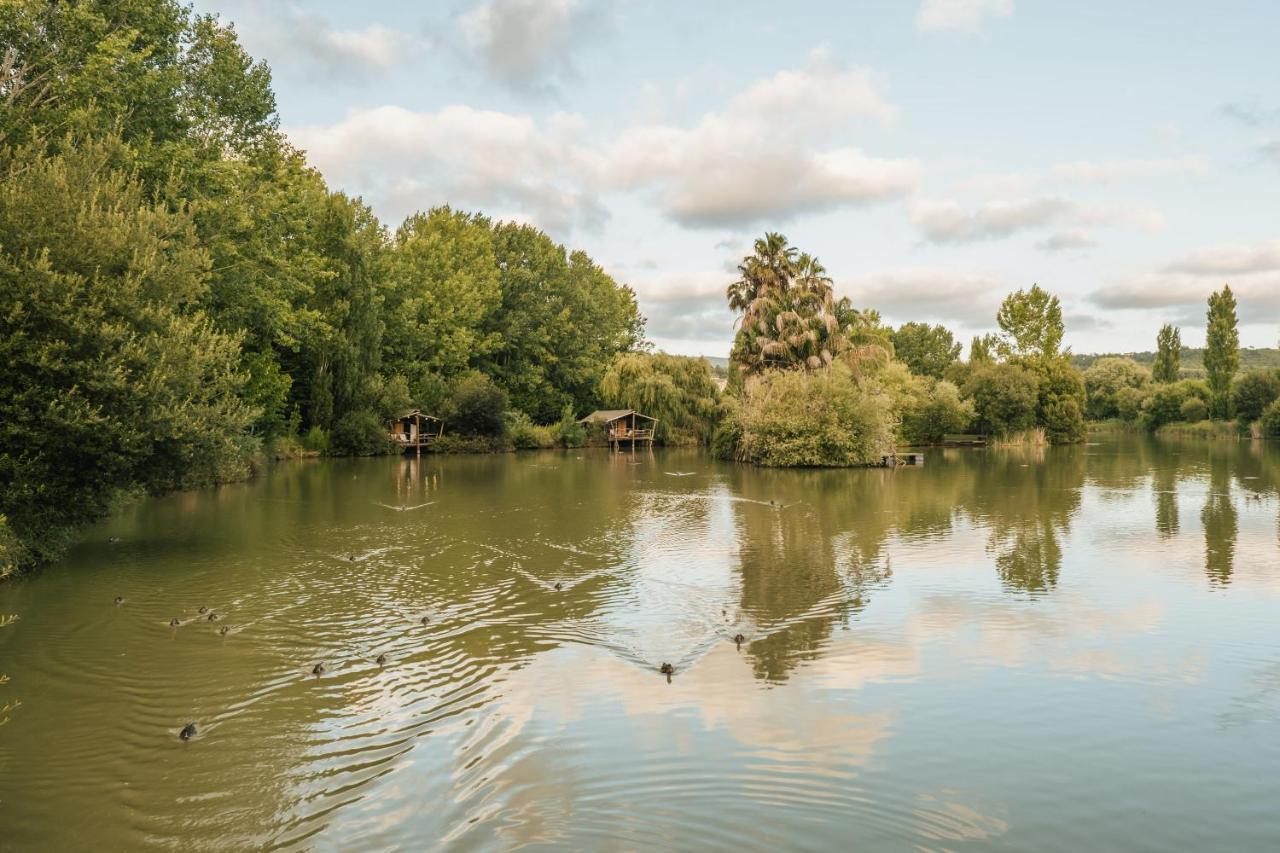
(1168, 354)
(569, 432)
(1193, 410)
(104, 354)
(818, 418)
(939, 412)
(477, 406)
(1270, 420)
(982, 349)
(1253, 392)
(1164, 405)
(1109, 383)
(360, 434)
(452, 443)
(1061, 400)
(1222, 351)
(927, 350)
(677, 390)
(1004, 398)
(1031, 324)
(316, 440)
(524, 434)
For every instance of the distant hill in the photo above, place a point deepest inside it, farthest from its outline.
(1251, 358)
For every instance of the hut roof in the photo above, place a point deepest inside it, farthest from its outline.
(420, 414)
(607, 415)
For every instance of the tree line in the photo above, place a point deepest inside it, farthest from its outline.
(180, 295)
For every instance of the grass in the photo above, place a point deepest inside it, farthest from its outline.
(1201, 429)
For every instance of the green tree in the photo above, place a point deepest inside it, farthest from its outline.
(1106, 382)
(1253, 392)
(1004, 398)
(982, 349)
(1168, 354)
(677, 390)
(102, 347)
(1030, 323)
(1222, 351)
(927, 350)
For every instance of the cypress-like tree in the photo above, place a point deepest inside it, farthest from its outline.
(1168, 354)
(1222, 351)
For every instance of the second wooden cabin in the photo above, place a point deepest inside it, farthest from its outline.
(624, 426)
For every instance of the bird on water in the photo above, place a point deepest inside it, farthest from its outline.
(382, 659)
(188, 731)
(119, 600)
(318, 669)
(175, 622)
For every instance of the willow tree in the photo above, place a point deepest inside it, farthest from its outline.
(1222, 350)
(1168, 354)
(677, 390)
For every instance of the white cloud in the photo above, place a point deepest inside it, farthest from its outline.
(960, 15)
(949, 222)
(295, 38)
(1232, 259)
(952, 297)
(523, 43)
(687, 306)
(767, 155)
(504, 164)
(1107, 171)
(1067, 241)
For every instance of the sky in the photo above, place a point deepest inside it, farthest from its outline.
(935, 155)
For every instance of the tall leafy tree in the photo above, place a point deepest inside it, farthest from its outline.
(927, 350)
(1030, 323)
(1222, 350)
(1168, 354)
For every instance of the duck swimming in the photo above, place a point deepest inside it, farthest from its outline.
(175, 622)
(559, 586)
(213, 617)
(188, 731)
(203, 610)
(119, 600)
(224, 629)
(739, 639)
(424, 620)
(382, 659)
(318, 669)
(667, 669)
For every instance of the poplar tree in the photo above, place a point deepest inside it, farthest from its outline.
(1168, 354)
(1222, 351)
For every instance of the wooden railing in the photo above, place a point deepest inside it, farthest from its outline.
(624, 434)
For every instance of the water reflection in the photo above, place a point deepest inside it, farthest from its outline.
(883, 612)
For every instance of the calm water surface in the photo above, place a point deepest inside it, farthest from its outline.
(1024, 649)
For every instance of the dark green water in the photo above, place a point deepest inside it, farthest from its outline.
(1068, 649)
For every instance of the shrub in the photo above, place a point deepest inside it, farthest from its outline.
(316, 440)
(360, 434)
(940, 412)
(1193, 410)
(1106, 380)
(1164, 404)
(471, 444)
(569, 432)
(818, 418)
(1060, 401)
(1004, 398)
(477, 407)
(526, 435)
(1270, 420)
(1128, 403)
(1254, 392)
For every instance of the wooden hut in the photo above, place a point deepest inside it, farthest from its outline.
(416, 430)
(624, 426)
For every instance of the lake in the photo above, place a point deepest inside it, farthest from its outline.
(1025, 648)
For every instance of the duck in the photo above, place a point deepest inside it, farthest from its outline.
(382, 659)
(667, 669)
(224, 629)
(351, 558)
(318, 669)
(114, 540)
(203, 610)
(213, 617)
(175, 622)
(119, 600)
(559, 586)
(739, 639)
(424, 620)
(188, 731)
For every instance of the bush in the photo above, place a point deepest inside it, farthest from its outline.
(1106, 380)
(1060, 400)
(360, 434)
(810, 419)
(1254, 392)
(569, 432)
(1164, 404)
(1270, 420)
(1004, 398)
(471, 444)
(526, 435)
(1193, 410)
(937, 414)
(1128, 403)
(316, 440)
(477, 407)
